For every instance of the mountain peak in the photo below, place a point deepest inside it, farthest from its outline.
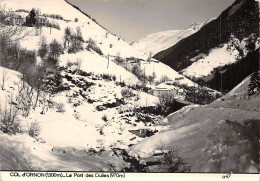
(159, 41)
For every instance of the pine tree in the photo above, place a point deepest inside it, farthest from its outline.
(31, 20)
(254, 84)
(55, 51)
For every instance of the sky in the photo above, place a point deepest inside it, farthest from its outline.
(135, 19)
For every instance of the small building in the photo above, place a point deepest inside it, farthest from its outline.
(41, 20)
(13, 19)
(164, 89)
(168, 89)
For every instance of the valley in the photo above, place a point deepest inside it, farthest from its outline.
(76, 97)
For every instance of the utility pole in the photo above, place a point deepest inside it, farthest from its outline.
(194, 95)
(107, 61)
(220, 81)
(194, 88)
(150, 57)
(144, 74)
(220, 30)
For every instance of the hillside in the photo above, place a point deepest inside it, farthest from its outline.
(106, 41)
(89, 28)
(223, 41)
(65, 97)
(74, 97)
(212, 141)
(156, 42)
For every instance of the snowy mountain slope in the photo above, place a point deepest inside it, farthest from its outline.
(208, 36)
(159, 41)
(237, 98)
(91, 61)
(69, 129)
(205, 64)
(92, 110)
(225, 54)
(89, 28)
(193, 129)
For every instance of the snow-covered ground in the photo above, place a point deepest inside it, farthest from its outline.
(189, 130)
(108, 43)
(161, 70)
(77, 127)
(89, 28)
(225, 54)
(93, 115)
(156, 42)
(206, 63)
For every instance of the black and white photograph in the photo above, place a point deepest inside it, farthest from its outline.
(106, 88)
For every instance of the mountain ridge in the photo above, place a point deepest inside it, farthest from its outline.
(218, 31)
(162, 40)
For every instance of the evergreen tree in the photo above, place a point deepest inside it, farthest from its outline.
(67, 36)
(55, 51)
(30, 19)
(43, 50)
(254, 84)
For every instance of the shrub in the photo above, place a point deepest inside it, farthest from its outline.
(113, 77)
(54, 16)
(55, 25)
(164, 78)
(106, 76)
(165, 99)
(119, 60)
(69, 64)
(60, 107)
(8, 117)
(173, 162)
(200, 95)
(127, 92)
(137, 71)
(100, 129)
(92, 45)
(104, 118)
(254, 84)
(34, 129)
(121, 83)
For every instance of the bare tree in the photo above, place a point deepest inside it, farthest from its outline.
(43, 50)
(8, 115)
(4, 79)
(9, 35)
(79, 61)
(67, 36)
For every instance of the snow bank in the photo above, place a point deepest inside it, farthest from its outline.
(217, 57)
(92, 62)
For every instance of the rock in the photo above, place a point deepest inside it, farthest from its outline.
(101, 108)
